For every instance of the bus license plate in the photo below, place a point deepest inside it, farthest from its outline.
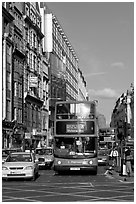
(75, 168)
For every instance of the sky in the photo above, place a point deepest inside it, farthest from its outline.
(102, 35)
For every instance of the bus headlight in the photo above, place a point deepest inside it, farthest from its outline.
(90, 162)
(59, 162)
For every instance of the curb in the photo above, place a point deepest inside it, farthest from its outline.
(123, 179)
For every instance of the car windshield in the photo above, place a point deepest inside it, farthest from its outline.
(19, 158)
(44, 151)
(102, 153)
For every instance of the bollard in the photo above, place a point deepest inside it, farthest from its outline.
(124, 173)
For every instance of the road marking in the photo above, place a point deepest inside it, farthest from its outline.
(126, 181)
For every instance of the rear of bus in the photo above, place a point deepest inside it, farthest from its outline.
(75, 139)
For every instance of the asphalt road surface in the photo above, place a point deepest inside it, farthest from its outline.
(49, 187)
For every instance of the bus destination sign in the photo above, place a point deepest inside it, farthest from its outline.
(75, 128)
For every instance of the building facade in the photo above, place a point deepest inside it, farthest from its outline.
(7, 104)
(66, 81)
(35, 77)
(123, 116)
(25, 76)
(39, 67)
(82, 91)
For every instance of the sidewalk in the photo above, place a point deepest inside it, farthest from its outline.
(113, 172)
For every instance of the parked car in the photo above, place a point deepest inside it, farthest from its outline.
(103, 157)
(7, 151)
(4, 156)
(20, 165)
(44, 157)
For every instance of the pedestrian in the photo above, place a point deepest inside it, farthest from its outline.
(128, 161)
(62, 146)
(79, 144)
(114, 156)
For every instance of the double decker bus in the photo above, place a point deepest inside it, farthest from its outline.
(75, 136)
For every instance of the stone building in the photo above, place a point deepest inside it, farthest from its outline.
(123, 115)
(13, 71)
(25, 75)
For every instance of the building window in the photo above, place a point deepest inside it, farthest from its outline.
(34, 40)
(26, 34)
(8, 112)
(20, 90)
(30, 61)
(20, 115)
(27, 10)
(8, 84)
(31, 38)
(15, 113)
(15, 88)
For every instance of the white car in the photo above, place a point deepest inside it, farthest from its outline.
(20, 165)
(7, 151)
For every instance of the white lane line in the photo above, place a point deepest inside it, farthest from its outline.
(66, 194)
(19, 198)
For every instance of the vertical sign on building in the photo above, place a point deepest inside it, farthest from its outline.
(46, 27)
(48, 33)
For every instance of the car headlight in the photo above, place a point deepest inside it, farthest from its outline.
(29, 167)
(48, 160)
(59, 162)
(4, 168)
(90, 162)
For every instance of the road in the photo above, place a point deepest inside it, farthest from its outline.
(49, 187)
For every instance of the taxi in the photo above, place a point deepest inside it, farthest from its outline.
(20, 165)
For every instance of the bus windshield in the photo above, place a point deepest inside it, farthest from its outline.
(75, 111)
(75, 146)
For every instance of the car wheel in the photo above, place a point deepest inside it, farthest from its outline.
(34, 177)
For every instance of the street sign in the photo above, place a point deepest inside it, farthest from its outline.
(107, 139)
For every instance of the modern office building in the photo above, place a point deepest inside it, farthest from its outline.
(63, 59)
(82, 91)
(64, 76)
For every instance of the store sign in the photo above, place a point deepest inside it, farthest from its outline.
(107, 139)
(27, 135)
(72, 128)
(33, 81)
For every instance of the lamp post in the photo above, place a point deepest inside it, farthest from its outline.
(123, 142)
(50, 127)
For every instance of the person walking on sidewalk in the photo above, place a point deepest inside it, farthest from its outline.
(128, 161)
(114, 155)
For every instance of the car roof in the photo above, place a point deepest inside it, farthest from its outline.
(20, 153)
(43, 148)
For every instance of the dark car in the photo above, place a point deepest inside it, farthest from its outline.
(103, 157)
(44, 157)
